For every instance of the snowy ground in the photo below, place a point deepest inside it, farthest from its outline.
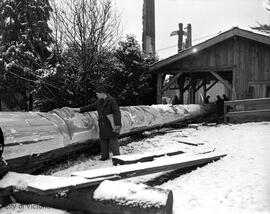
(237, 183)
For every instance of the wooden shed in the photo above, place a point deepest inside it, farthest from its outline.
(237, 58)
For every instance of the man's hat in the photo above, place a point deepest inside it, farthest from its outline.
(101, 89)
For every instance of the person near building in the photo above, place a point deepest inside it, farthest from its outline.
(109, 121)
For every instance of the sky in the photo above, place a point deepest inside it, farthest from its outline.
(207, 17)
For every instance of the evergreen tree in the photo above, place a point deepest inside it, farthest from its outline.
(130, 80)
(24, 41)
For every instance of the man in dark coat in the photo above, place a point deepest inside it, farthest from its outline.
(220, 105)
(109, 121)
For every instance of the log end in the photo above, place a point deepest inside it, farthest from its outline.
(124, 197)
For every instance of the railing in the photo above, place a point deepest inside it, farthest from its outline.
(256, 108)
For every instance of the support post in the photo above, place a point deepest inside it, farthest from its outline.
(235, 67)
(159, 88)
(181, 83)
(204, 88)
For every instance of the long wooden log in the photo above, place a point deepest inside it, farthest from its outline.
(33, 138)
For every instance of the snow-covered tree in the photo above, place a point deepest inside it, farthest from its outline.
(264, 27)
(85, 31)
(130, 80)
(24, 41)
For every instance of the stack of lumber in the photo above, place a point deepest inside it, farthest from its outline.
(82, 191)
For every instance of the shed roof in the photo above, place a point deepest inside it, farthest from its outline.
(210, 42)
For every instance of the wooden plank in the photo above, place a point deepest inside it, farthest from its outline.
(45, 185)
(66, 184)
(246, 113)
(159, 165)
(248, 101)
(143, 157)
(190, 143)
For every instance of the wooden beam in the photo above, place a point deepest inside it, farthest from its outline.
(171, 82)
(207, 89)
(186, 87)
(248, 101)
(199, 86)
(211, 68)
(265, 112)
(223, 81)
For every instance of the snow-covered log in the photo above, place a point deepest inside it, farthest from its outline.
(105, 198)
(39, 137)
(120, 197)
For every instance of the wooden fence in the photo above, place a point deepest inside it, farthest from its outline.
(248, 110)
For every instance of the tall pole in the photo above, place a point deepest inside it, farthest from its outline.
(148, 37)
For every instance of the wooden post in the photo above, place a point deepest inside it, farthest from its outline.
(235, 67)
(180, 37)
(226, 119)
(181, 83)
(204, 88)
(193, 89)
(159, 88)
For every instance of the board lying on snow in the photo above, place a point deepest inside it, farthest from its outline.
(78, 191)
(142, 157)
(52, 184)
(131, 170)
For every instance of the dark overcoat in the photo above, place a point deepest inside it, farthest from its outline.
(105, 107)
